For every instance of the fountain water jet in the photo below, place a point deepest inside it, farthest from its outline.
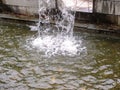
(56, 39)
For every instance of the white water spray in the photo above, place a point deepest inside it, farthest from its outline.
(56, 39)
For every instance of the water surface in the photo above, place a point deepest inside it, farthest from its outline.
(23, 67)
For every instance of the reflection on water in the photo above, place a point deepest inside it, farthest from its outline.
(22, 67)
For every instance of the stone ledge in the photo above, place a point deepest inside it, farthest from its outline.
(82, 26)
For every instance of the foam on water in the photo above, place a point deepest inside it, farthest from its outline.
(58, 45)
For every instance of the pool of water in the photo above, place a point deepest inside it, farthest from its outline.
(24, 68)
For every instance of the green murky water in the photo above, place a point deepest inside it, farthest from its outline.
(22, 68)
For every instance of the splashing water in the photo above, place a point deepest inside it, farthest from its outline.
(58, 45)
(56, 39)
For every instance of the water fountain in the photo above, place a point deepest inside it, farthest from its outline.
(57, 38)
(55, 58)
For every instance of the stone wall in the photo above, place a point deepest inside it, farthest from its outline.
(111, 9)
(107, 6)
(27, 7)
(22, 6)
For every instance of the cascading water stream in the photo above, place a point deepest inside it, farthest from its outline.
(63, 17)
(56, 38)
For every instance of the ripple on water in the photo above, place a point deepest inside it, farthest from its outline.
(26, 68)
